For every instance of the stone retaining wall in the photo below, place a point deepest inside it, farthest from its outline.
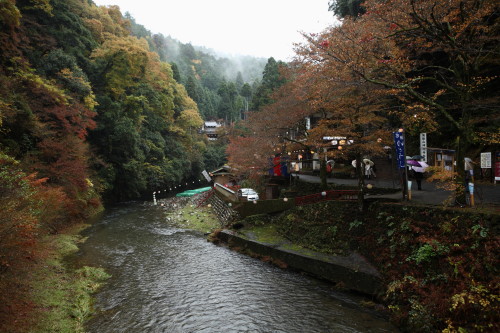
(352, 272)
(222, 210)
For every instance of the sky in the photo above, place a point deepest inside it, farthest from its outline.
(260, 28)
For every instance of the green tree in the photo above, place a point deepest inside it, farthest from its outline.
(192, 88)
(271, 80)
(344, 8)
(239, 81)
(175, 71)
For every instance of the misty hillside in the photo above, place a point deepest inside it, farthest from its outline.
(213, 81)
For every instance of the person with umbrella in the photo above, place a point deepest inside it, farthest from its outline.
(469, 172)
(369, 165)
(418, 167)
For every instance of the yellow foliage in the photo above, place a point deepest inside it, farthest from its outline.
(90, 102)
(477, 294)
(9, 13)
(488, 138)
(190, 119)
(27, 76)
(43, 5)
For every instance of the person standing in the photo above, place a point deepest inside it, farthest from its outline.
(329, 168)
(469, 172)
(418, 178)
(369, 169)
(418, 172)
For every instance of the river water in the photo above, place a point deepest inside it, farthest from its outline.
(166, 279)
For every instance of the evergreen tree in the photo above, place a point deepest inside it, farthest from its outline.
(344, 8)
(271, 80)
(192, 88)
(239, 81)
(175, 72)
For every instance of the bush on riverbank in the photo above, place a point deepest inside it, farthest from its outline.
(440, 266)
(43, 295)
(33, 212)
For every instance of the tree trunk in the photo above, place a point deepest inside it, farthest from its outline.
(322, 173)
(461, 146)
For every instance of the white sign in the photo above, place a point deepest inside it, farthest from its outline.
(308, 123)
(205, 174)
(423, 146)
(486, 160)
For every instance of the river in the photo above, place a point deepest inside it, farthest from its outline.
(167, 279)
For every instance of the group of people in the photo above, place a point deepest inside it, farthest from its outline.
(416, 169)
(368, 168)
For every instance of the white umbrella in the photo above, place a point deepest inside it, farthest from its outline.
(468, 164)
(367, 161)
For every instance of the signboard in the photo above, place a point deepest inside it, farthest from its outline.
(423, 146)
(205, 174)
(486, 160)
(399, 143)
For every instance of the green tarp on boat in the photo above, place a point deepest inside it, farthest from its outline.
(190, 193)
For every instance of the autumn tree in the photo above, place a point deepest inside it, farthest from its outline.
(354, 112)
(433, 55)
(264, 133)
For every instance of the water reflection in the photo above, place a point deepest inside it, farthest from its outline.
(167, 279)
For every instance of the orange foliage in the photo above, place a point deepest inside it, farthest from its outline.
(19, 212)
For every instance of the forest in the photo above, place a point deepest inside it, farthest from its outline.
(95, 109)
(93, 106)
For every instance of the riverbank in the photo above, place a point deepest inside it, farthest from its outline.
(349, 272)
(46, 295)
(439, 267)
(184, 213)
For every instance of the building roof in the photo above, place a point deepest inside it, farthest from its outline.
(212, 124)
(223, 170)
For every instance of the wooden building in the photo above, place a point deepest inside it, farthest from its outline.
(442, 158)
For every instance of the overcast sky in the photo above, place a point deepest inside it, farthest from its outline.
(261, 28)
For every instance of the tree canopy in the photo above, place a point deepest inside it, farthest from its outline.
(428, 66)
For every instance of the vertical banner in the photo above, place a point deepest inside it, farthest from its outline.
(399, 143)
(423, 146)
(275, 163)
